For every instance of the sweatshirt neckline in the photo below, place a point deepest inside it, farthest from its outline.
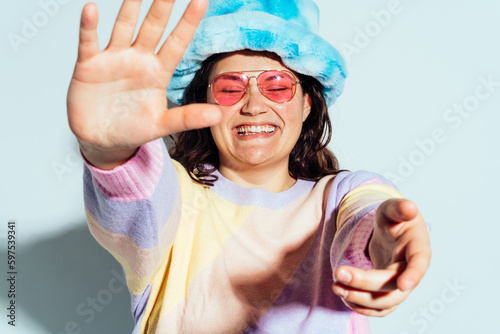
(244, 196)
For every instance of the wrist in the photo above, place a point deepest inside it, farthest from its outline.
(106, 159)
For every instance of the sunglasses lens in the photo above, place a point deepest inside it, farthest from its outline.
(229, 88)
(278, 86)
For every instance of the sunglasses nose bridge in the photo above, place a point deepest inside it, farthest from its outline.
(249, 85)
(254, 97)
(256, 77)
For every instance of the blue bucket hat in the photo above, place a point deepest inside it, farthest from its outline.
(288, 28)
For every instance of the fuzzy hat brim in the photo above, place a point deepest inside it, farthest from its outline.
(300, 50)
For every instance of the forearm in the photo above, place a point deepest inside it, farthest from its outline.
(355, 222)
(130, 207)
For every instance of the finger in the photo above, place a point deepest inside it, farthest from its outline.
(189, 117)
(173, 49)
(89, 43)
(125, 24)
(418, 261)
(370, 311)
(154, 24)
(397, 210)
(374, 300)
(370, 280)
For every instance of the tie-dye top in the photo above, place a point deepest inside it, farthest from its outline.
(229, 259)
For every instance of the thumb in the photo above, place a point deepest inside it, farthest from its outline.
(396, 210)
(189, 117)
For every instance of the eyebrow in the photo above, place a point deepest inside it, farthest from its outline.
(270, 78)
(231, 75)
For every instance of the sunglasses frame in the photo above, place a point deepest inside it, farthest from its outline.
(294, 86)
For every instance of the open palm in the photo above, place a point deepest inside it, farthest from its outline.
(116, 99)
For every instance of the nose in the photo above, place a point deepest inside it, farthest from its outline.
(254, 100)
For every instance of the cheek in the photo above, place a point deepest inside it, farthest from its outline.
(292, 115)
(217, 137)
(216, 133)
(228, 113)
(223, 129)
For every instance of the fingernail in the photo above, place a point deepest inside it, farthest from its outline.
(344, 276)
(341, 292)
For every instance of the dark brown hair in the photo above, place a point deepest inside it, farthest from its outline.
(310, 158)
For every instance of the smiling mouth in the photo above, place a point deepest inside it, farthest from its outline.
(246, 130)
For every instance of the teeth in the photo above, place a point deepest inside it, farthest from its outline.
(248, 130)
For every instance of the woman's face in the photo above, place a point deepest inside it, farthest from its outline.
(271, 149)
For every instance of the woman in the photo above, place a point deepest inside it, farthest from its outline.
(250, 227)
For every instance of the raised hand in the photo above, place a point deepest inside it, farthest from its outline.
(400, 253)
(117, 97)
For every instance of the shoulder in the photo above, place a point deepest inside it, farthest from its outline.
(187, 184)
(353, 186)
(347, 181)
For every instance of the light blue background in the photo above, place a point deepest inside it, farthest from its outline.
(425, 59)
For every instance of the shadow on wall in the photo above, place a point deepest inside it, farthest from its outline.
(70, 284)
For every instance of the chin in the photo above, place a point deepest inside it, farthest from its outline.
(257, 160)
(256, 156)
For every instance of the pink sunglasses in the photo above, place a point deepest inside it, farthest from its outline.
(277, 85)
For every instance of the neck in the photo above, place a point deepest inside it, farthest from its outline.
(274, 180)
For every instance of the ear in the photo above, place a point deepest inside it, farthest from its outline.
(306, 108)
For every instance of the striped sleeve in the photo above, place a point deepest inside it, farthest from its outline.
(364, 192)
(133, 211)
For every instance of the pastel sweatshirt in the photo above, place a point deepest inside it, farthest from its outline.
(229, 259)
